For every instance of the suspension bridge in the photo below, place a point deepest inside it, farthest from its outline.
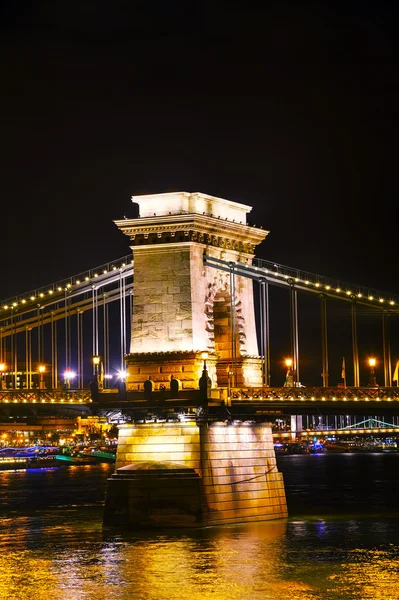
(191, 298)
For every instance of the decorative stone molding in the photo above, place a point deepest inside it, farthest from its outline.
(222, 287)
(206, 230)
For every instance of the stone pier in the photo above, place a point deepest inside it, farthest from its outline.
(190, 474)
(209, 470)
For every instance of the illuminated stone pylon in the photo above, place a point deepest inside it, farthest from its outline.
(182, 308)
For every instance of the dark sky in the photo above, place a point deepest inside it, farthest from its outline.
(290, 108)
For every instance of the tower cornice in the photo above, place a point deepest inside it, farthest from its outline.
(193, 227)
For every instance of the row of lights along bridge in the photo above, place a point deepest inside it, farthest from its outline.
(69, 375)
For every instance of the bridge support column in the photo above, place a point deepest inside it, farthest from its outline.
(296, 425)
(193, 475)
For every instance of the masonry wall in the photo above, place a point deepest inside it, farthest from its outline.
(162, 307)
(237, 465)
(240, 479)
(173, 313)
(171, 287)
(161, 442)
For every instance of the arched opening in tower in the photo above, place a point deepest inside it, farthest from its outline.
(225, 328)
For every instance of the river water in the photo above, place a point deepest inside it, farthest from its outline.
(340, 542)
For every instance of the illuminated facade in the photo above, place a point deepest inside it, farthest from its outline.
(191, 474)
(183, 308)
(209, 470)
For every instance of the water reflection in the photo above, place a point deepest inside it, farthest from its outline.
(217, 563)
(274, 560)
(52, 545)
(54, 560)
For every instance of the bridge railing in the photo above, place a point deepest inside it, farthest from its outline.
(75, 396)
(314, 393)
(240, 395)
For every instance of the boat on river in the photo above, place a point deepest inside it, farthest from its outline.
(89, 455)
(99, 454)
(39, 457)
(28, 457)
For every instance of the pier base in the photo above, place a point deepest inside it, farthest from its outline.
(194, 474)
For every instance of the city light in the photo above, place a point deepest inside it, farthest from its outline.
(41, 369)
(372, 378)
(204, 356)
(68, 374)
(94, 274)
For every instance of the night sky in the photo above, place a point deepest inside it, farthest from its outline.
(290, 108)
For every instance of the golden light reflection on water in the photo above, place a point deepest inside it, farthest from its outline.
(230, 563)
(24, 576)
(224, 564)
(370, 574)
(65, 555)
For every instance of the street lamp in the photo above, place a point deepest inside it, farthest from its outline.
(41, 370)
(289, 378)
(205, 383)
(68, 376)
(372, 379)
(96, 363)
(122, 374)
(98, 371)
(2, 369)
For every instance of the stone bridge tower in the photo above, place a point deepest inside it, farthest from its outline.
(182, 308)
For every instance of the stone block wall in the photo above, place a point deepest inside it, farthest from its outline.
(161, 442)
(175, 293)
(186, 367)
(240, 479)
(173, 313)
(236, 464)
(162, 307)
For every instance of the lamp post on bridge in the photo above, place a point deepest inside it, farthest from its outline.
(96, 363)
(95, 384)
(289, 378)
(205, 383)
(68, 376)
(372, 378)
(2, 370)
(41, 370)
